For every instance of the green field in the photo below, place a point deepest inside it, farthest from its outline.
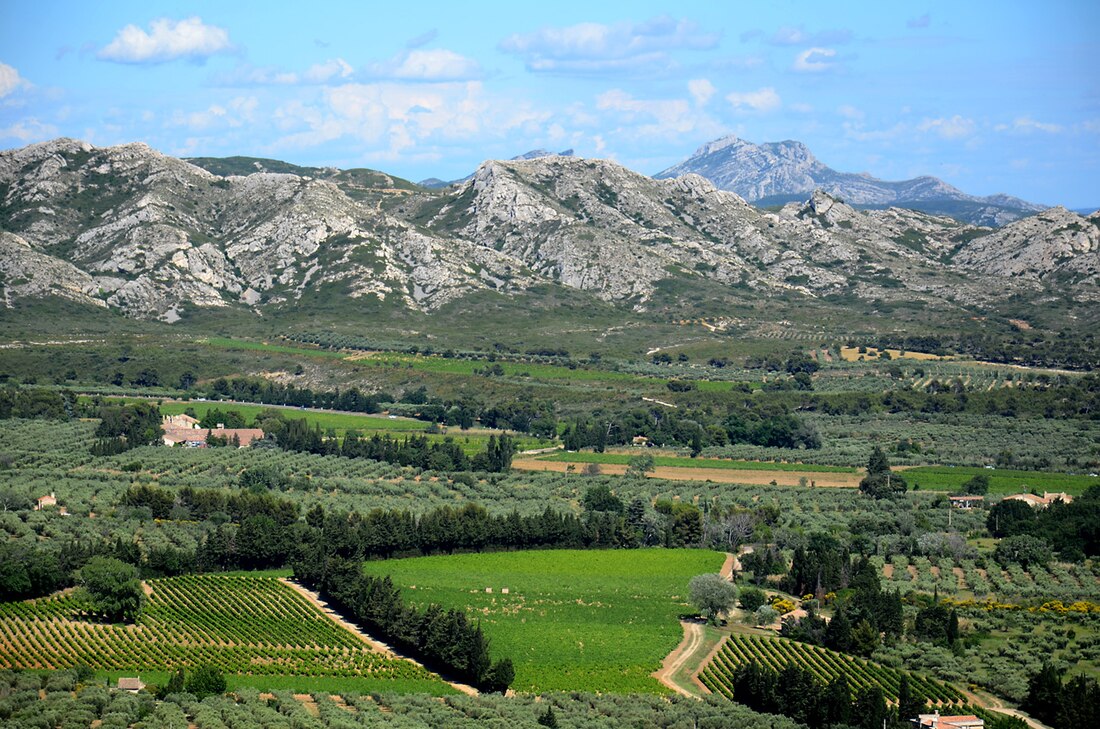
(446, 365)
(1001, 481)
(245, 344)
(340, 422)
(597, 621)
(684, 462)
(258, 630)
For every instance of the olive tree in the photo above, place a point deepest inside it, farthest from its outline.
(113, 588)
(713, 595)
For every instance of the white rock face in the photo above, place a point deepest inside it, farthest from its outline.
(155, 236)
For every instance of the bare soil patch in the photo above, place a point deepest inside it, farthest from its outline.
(753, 477)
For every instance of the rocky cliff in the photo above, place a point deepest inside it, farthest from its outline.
(129, 228)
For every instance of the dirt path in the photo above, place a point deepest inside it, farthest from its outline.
(753, 477)
(989, 701)
(355, 630)
(674, 661)
(733, 561)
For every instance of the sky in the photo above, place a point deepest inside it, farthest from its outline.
(990, 96)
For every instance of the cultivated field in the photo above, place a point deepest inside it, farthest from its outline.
(776, 653)
(248, 626)
(601, 620)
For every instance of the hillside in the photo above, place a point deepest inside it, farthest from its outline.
(133, 230)
(776, 173)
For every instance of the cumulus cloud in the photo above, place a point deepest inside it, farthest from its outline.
(166, 40)
(437, 64)
(10, 80)
(234, 114)
(28, 130)
(1026, 125)
(955, 127)
(765, 99)
(594, 47)
(814, 60)
(701, 90)
(849, 112)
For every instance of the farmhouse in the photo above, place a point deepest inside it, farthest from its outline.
(133, 685)
(935, 721)
(1041, 502)
(184, 430)
(967, 502)
(44, 501)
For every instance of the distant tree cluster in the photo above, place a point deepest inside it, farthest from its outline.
(36, 403)
(415, 450)
(1072, 530)
(757, 425)
(123, 427)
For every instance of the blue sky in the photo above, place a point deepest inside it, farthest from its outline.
(990, 96)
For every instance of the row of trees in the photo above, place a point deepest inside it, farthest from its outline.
(414, 450)
(742, 423)
(442, 639)
(36, 403)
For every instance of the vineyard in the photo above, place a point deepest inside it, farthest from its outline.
(242, 625)
(776, 653)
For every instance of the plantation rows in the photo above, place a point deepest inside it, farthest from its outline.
(1056, 581)
(826, 665)
(242, 625)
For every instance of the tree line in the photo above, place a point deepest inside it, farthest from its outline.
(442, 639)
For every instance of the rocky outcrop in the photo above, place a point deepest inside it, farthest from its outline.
(780, 171)
(1056, 244)
(130, 228)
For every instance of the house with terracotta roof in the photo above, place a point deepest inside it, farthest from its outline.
(1041, 502)
(43, 501)
(967, 502)
(133, 685)
(936, 721)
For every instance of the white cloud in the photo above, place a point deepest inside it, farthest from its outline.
(765, 99)
(239, 111)
(595, 47)
(701, 90)
(28, 130)
(954, 128)
(1026, 125)
(10, 80)
(814, 60)
(167, 40)
(437, 64)
(670, 116)
(319, 73)
(392, 117)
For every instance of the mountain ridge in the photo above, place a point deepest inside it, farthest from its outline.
(778, 172)
(131, 229)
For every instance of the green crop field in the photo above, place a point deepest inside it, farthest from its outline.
(255, 628)
(340, 422)
(593, 620)
(245, 344)
(1001, 481)
(684, 462)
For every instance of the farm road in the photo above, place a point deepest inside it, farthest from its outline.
(674, 661)
(355, 630)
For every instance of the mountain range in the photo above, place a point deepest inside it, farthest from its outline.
(780, 172)
(157, 237)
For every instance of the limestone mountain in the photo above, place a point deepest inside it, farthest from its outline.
(156, 237)
(780, 172)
